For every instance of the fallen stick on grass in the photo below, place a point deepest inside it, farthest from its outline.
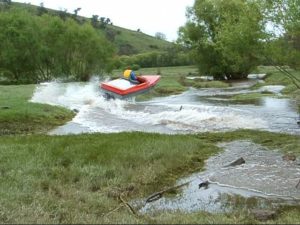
(158, 195)
(127, 205)
(122, 204)
(113, 210)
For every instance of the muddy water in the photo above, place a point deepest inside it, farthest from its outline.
(264, 181)
(192, 111)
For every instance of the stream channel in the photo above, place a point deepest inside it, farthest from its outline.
(264, 181)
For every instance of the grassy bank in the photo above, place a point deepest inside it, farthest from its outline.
(18, 116)
(275, 77)
(78, 179)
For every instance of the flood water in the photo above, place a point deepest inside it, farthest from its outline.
(192, 111)
(264, 181)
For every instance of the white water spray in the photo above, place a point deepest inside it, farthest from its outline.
(174, 114)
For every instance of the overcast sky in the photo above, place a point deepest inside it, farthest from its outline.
(150, 16)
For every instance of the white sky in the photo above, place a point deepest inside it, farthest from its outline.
(150, 16)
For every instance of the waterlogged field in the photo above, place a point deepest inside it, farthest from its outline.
(195, 110)
(96, 178)
(18, 116)
(79, 179)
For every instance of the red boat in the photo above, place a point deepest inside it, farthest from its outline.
(122, 88)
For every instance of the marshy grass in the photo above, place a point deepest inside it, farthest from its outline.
(276, 77)
(18, 116)
(79, 178)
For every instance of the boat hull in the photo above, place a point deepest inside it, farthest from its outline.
(122, 88)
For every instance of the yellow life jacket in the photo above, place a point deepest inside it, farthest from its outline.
(126, 74)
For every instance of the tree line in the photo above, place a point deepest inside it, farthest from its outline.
(175, 56)
(224, 38)
(39, 45)
(37, 48)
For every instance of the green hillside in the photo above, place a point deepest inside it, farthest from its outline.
(135, 42)
(39, 44)
(127, 42)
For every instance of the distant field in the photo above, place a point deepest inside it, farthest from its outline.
(176, 71)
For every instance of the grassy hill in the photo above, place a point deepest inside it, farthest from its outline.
(134, 42)
(127, 42)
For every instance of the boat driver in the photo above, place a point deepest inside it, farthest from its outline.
(130, 75)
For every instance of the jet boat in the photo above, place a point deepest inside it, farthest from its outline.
(122, 88)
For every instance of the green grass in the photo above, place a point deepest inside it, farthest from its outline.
(275, 77)
(173, 72)
(200, 83)
(285, 142)
(250, 97)
(18, 116)
(140, 42)
(78, 178)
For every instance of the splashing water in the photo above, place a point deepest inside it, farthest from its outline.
(192, 111)
(183, 113)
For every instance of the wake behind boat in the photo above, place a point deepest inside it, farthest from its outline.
(123, 88)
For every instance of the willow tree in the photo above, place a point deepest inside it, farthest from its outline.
(19, 44)
(285, 43)
(81, 51)
(37, 48)
(225, 36)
